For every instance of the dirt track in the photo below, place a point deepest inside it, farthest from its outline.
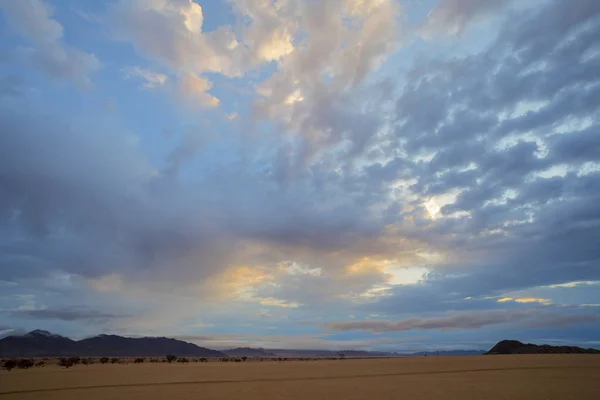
(491, 377)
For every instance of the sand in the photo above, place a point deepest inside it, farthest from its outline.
(530, 377)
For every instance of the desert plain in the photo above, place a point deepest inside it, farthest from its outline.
(547, 377)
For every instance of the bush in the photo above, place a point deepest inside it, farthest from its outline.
(25, 363)
(75, 360)
(114, 360)
(10, 364)
(203, 360)
(104, 360)
(66, 362)
(183, 360)
(170, 358)
(154, 360)
(40, 364)
(244, 358)
(139, 360)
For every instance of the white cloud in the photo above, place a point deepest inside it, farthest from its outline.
(152, 79)
(171, 33)
(270, 301)
(195, 89)
(452, 17)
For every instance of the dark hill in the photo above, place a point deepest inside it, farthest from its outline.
(44, 344)
(34, 343)
(516, 347)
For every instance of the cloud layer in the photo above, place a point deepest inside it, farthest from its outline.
(269, 163)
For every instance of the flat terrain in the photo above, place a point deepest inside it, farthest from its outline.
(529, 377)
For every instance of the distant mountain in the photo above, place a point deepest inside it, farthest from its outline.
(252, 352)
(45, 344)
(449, 353)
(248, 352)
(516, 347)
(291, 353)
(34, 343)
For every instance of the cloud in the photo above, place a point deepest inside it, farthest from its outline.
(194, 89)
(172, 33)
(292, 342)
(454, 16)
(524, 300)
(270, 301)
(33, 18)
(531, 318)
(67, 314)
(479, 172)
(152, 79)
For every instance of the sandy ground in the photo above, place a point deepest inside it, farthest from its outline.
(545, 377)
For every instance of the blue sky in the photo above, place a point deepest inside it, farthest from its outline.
(387, 174)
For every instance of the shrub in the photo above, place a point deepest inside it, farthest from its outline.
(103, 360)
(244, 358)
(40, 364)
(203, 360)
(183, 360)
(114, 360)
(139, 360)
(66, 362)
(10, 364)
(170, 358)
(154, 360)
(25, 363)
(75, 360)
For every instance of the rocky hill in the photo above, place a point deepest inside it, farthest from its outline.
(516, 347)
(40, 343)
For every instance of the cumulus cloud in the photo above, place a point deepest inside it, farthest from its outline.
(33, 18)
(172, 33)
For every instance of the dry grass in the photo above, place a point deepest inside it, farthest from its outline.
(544, 377)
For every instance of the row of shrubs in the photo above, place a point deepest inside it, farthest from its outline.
(67, 362)
(23, 363)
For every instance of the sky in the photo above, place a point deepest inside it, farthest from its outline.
(390, 175)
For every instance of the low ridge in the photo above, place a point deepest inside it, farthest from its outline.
(516, 347)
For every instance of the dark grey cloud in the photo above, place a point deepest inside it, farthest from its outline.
(531, 318)
(67, 314)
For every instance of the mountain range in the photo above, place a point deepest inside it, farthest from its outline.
(41, 343)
